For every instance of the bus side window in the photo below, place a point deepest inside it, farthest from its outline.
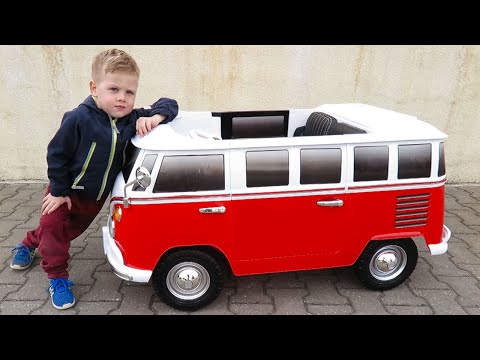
(370, 163)
(414, 161)
(320, 166)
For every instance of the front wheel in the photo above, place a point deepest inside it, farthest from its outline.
(386, 264)
(188, 279)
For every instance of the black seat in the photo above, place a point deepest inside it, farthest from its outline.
(318, 123)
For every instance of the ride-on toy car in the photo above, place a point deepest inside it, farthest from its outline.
(255, 192)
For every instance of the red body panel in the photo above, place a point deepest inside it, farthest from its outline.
(146, 231)
(276, 234)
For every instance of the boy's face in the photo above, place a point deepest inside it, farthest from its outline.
(115, 93)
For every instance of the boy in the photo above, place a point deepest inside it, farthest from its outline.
(84, 158)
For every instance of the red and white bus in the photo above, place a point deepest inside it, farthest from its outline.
(252, 192)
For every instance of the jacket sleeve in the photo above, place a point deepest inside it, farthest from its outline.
(167, 107)
(60, 152)
(163, 106)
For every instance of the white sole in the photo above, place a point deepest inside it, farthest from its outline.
(65, 306)
(18, 267)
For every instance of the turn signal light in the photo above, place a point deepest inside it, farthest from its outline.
(117, 214)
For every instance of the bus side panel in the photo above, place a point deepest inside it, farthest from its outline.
(392, 214)
(147, 231)
(286, 233)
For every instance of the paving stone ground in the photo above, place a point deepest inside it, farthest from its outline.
(448, 284)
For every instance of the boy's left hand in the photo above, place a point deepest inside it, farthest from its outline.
(146, 124)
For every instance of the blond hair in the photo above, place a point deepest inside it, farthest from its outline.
(113, 60)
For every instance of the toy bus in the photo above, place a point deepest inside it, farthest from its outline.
(255, 192)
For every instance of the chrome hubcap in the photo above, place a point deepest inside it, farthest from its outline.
(388, 262)
(188, 280)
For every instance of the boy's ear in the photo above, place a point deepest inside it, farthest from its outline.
(93, 88)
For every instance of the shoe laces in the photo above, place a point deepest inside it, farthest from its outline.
(22, 251)
(61, 285)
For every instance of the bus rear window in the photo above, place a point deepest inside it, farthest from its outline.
(441, 161)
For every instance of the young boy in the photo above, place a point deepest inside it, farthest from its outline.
(84, 158)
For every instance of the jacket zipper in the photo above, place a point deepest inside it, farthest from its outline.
(112, 154)
(84, 167)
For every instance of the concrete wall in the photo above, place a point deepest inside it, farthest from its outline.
(439, 84)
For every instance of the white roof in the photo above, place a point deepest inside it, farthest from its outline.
(381, 125)
(382, 121)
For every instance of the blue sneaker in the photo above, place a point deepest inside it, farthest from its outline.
(23, 257)
(62, 296)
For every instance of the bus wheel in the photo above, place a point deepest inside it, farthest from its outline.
(188, 279)
(386, 264)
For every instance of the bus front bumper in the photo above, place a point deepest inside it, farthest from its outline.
(115, 260)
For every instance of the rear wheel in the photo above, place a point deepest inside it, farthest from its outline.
(386, 264)
(188, 279)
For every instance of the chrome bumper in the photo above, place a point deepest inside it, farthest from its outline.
(115, 260)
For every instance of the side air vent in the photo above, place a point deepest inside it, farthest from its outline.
(412, 210)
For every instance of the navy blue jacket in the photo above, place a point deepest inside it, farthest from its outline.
(88, 150)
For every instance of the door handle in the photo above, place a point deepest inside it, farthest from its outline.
(213, 210)
(330, 203)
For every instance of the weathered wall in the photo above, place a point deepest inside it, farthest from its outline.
(439, 84)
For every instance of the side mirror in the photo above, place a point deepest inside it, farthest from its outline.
(142, 178)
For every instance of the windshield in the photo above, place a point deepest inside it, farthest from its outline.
(131, 153)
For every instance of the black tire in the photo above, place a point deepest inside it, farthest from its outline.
(169, 277)
(399, 260)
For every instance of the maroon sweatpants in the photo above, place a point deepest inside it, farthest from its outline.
(55, 231)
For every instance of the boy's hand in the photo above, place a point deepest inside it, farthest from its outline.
(51, 203)
(146, 124)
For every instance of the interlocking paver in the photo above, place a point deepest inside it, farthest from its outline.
(160, 308)
(461, 195)
(467, 216)
(5, 256)
(16, 236)
(461, 254)
(81, 270)
(6, 289)
(322, 290)
(466, 288)
(93, 249)
(136, 301)
(6, 226)
(35, 288)
(473, 310)
(330, 309)
(472, 240)
(442, 301)
(456, 225)
(365, 302)
(105, 288)
(22, 213)
(25, 307)
(284, 281)
(451, 203)
(422, 278)
(9, 276)
(252, 309)
(409, 310)
(402, 295)
(250, 289)
(289, 301)
(219, 306)
(97, 307)
(442, 265)
(472, 269)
